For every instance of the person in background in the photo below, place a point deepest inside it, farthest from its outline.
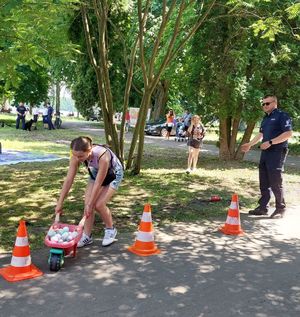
(196, 133)
(21, 114)
(35, 113)
(45, 115)
(170, 116)
(101, 162)
(275, 130)
(49, 116)
(127, 121)
(187, 120)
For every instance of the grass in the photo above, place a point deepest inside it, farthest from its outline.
(30, 190)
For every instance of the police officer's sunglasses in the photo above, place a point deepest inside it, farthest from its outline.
(267, 103)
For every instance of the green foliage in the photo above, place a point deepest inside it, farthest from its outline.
(33, 87)
(84, 89)
(294, 11)
(31, 33)
(268, 28)
(234, 61)
(83, 81)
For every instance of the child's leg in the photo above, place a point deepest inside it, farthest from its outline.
(190, 157)
(195, 158)
(104, 197)
(89, 222)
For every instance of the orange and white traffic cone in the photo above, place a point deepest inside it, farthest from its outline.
(21, 267)
(233, 223)
(144, 244)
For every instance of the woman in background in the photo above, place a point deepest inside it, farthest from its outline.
(170, 122)
(196, 134)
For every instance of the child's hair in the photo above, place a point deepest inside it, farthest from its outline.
(82, 143)
(194, 117)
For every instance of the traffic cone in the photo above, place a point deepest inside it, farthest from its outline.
(21, 267)
(233, 223)
(144, 243)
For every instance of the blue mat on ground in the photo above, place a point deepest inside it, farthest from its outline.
(8, 157)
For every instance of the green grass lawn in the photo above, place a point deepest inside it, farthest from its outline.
(30, 190)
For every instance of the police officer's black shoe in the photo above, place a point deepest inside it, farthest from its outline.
(278, 213)
(258, 211)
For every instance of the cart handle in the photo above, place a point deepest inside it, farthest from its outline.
(82, 221)
(57, 215)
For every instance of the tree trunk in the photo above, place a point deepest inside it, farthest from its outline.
(224, 153)
(126, 97)
(100, 63)
(239, 155)
(160, 99)
(136, 134)
(3, 102)
(138, 161)
(233, 136)
(57, 96)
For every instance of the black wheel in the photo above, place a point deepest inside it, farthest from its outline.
(57, 123)
(55, 262)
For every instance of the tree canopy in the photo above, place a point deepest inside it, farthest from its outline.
(217, 58)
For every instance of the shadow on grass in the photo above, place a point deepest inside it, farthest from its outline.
(30, 191)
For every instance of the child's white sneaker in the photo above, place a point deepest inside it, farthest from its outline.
(85, 240)
(109, 236)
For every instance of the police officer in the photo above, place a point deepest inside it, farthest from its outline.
(49, 117)
(275, 130)
(21, 113)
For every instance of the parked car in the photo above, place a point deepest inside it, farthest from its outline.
(159, 128)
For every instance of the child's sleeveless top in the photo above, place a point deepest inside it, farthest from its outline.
(94, 161)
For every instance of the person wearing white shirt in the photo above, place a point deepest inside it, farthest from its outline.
(35, 113)
(45, 116)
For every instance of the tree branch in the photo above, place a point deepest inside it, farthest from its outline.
(88, 35)
(170, 48)
(142, 21)
(193, 30)
(164, 22)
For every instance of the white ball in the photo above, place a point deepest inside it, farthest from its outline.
(51, 233)
(65, 236)
(66, 229)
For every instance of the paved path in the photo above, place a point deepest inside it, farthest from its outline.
(200, 272)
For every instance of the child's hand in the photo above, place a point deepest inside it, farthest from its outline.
(88, 210)
(58, 209)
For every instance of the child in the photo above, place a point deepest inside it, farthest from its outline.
(196, 134)
(106, 174)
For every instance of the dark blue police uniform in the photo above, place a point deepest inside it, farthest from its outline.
(49, 118)
(21, 109)
(272, 160)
